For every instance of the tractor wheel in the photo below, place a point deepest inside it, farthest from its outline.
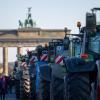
(44, 91)
(33, 89)
(77, 86)
(57, 89)
(25, 89)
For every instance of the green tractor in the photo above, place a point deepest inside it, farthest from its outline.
(82, 78)
(22, 78)
(28, 78)
(25, 76)
(59, 50)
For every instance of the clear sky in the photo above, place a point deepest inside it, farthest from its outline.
(47, 13)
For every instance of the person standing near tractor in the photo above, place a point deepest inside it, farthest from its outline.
(3, 88)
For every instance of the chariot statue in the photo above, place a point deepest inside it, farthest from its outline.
(29, 22)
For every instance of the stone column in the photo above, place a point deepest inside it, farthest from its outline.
(5, 61)
(19, 51)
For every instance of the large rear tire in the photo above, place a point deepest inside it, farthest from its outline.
(44, 91)
(32, 89)
(77, 86)
(25, 89)
(57, 88)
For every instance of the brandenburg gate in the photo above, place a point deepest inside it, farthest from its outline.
(25, 37)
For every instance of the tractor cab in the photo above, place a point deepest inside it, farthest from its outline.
(95, 42)
(59, 48)
(91, 36)
(75, 46)
(55, 48)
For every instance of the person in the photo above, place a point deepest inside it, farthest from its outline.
(0, 87)
(3, 89)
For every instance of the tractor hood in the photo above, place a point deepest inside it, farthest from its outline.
(79, 65)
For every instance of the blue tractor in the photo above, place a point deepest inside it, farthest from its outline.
(43, 71)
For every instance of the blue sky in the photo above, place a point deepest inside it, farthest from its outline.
(47, 13)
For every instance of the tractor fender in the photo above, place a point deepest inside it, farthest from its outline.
(42, 73)
(45, 71)
(76, 64)
(58, 70)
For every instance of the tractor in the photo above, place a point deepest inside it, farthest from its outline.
(25, 76)
(43, 71)
(59, 50)
(82, 78)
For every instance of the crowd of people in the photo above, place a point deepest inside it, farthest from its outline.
(6, 85)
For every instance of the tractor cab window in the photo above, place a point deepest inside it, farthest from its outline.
(76, 47)
(95, 44)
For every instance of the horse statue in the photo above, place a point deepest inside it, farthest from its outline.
(20, 24)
